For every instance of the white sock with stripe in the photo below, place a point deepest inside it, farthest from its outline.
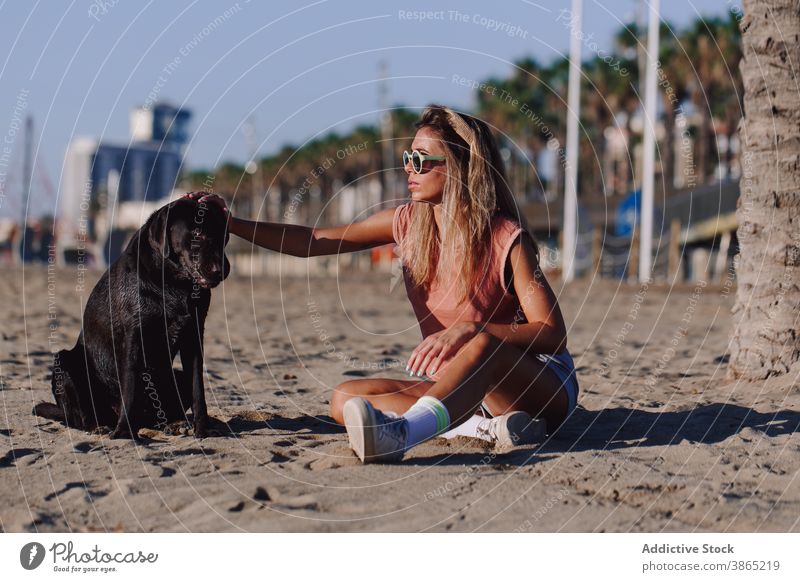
(426, 418)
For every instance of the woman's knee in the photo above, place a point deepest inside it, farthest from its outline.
(342, 393)
(481, 346)
(374, 387)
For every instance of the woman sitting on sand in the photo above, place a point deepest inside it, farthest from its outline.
(493, 362)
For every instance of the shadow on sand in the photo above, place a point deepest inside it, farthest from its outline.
(619, 428)
(584, 430)
(622, 428)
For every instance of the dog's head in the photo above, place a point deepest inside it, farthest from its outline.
(188, 238)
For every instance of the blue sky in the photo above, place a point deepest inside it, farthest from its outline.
(300, 69)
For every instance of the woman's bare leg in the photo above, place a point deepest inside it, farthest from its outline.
(505, 377)
(484, 369)
(385, 394)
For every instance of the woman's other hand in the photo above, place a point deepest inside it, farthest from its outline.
(428, 356)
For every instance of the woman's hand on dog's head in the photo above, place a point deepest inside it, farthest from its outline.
(213, 199)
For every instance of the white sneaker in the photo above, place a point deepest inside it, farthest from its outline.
(512, 429)
(374, 435)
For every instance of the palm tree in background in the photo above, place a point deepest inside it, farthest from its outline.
(528, 111)
(631, 42)
(712, 49)
(509, 105)
(607, 92)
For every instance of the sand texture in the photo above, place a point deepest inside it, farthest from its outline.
(661, 441)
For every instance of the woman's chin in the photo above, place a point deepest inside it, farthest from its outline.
(418, 196)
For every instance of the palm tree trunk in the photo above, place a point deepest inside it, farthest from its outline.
(766, 337)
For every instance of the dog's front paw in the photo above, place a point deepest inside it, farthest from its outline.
(200, 428)
(120, 433)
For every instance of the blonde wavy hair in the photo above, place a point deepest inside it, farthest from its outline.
(475, 191)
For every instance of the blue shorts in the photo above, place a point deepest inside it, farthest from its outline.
(564, 369)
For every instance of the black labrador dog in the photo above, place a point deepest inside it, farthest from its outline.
(150, 305)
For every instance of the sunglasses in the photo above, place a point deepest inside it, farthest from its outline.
(417, 159)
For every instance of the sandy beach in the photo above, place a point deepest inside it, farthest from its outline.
(661, 441)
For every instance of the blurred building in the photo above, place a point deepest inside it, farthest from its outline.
(108, 187)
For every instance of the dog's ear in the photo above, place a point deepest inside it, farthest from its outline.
(157, 233)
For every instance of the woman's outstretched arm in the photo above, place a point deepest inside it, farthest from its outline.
(305, 241)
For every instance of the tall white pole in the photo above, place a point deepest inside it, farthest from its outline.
(649, 144)
(570, 230)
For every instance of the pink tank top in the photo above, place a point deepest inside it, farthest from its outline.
(438, 308)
